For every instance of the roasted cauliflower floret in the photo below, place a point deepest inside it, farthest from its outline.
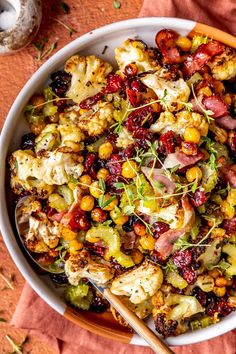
(223, 66)
(88, 76)
(42, 229)
(97, 121)
(124, 138)
(179, 122)
(173, 92)
(183, 306)
(71, 136)
(132, 51)
(53, 167)
(48, 139)
(140, 283)
(42, 233)
(82, 266)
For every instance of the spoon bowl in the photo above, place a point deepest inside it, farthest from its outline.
(22, 226)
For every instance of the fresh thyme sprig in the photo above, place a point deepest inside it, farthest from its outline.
(17, 348)
(70, 29)
(207, 113)
(40, 46)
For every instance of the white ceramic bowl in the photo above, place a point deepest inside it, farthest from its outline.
(92, 43)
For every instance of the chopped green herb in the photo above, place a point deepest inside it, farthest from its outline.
(105, 49)
(17, 348)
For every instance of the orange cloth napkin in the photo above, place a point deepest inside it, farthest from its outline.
(217, 13)
(66, 338)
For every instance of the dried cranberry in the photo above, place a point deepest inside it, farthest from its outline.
(182, 258)
(164, 326)
(128, 226)
(133, 97)
(115, 164)
(99, 304)
(211, 304)
(198, 198)
(230, 225)
(59, 278)
(200, 295)
(157, 258)
(111, 137)
(189, 275)
(139, 117)
(223, 308)
(159, 228)
(79, 220)
(114, 83)
(61, 105)
(94, 249)
(129, 151)
(90, 164)
(28, 141)
(90, 101)
(137, 86)
(60, 82)
(168, 142)
(142, 135)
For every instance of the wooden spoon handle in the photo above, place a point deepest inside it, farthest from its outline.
(156, 343)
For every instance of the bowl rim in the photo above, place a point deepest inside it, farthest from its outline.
(44, 71)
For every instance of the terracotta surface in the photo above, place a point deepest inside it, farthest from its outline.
(84, 16)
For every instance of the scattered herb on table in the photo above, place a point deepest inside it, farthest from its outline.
(17, 348)
(116, 4)
(70, 29)
(64, 7)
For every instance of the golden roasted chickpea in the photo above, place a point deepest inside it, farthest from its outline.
(219, 291)
(215, 273)
(147, 242)
(103, 173)
(137, 256)
(37, 100)
(118, 217)
(98, 215)
(220, 281)
(192, 135)
(87, 203)
(85, 181)
(113, 202)
(37, 128)
(206, 91)
(194, 174)
(94, 189)
(139, 228)
(105, 150)
(184, 43)
(129, 169)
(75, 246)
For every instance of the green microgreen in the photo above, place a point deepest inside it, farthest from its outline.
(64, 7)
(118, 125)
(70, 29)
(222, 265)
(42, 53)
(102, 203)
(207, 113)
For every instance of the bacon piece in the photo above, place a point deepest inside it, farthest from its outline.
(164, 244)
(201, 57)
(227, 122)
(58, 216)
(157, 174)
(229, 175)
(215, 104)
(165, 41)
(179, 158)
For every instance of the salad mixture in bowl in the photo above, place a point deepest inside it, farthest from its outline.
(132, 174)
